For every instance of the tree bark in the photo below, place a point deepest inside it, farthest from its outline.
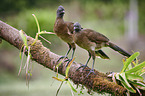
(99, 83)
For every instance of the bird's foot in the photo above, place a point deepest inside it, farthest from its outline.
(82, 66)
(91, 71)
(62, 57)
(67, 60)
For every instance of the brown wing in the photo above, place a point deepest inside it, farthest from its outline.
(95, 36)
(70, 26)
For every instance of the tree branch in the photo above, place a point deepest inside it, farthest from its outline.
(99, 83)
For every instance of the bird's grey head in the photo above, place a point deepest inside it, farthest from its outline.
(60, 11)
(77, 27)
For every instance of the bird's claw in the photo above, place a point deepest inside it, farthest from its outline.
(62, 57)
(91, 71)
(82, 65)
(69, 60)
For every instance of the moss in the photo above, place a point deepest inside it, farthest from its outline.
(103, 85)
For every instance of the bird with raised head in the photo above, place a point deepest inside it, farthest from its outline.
(64, 30)
(93, 41)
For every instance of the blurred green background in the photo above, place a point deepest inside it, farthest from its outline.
(122, 21)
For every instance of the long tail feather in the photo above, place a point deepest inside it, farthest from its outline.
(118, 49)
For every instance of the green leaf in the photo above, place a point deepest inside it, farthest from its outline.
(123, 78)
(127, 87)
(36, 22)
(36, 38)
(138, 72)
(140, 85)
(134, 77)
(68, 67)
(142, 72)
(128, 61)
(129, 66)
(71, 86)
(58, 79)
(23, 38)
(37, 35)
(125, 83)
(136, 68)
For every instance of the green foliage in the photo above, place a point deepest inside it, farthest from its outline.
(68, 67)
(66, 76)
(24, 20)
(105, 15)
(23, 38)
(40, 32)
(128, 62)
(37, 23)
(131, 77)
(26, 47)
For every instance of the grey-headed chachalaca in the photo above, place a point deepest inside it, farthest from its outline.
(64, 30)
(93, 41)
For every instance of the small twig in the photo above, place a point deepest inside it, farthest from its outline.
(45, 57)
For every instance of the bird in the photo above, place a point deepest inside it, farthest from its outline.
(93, 41)
(64, 30)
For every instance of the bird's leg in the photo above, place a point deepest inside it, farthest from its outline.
(84, 66)
(65, 54)
(71, 57)
(73, 53)
(92, 70)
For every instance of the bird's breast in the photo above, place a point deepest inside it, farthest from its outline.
(83, 42)
(62, 31)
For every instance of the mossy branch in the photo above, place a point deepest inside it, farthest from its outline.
(42, 55)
